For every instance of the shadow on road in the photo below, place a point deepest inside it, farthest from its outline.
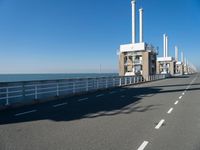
(109, 105)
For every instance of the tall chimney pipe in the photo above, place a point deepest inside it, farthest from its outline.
(141, 24)
(133, 21)
(164, 45)
(185, 61)
(176, 53)
(182, 57)
(167, 45)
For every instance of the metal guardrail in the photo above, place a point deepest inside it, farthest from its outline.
(22, 92)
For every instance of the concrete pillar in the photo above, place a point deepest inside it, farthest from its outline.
(121, 64)
(172, 68)
(141, 24)
(133, 21)
(146, 65)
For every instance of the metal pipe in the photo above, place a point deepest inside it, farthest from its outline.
(167, 45)
(182, 57)
(164, 45)
(141, 24)
(133, 21)
(176, 53)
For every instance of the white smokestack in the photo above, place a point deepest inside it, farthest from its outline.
(164, 45)
(133, 21)
(141, 24)
(167, 45)
(176, 53)
(182, 57)
(185, 61)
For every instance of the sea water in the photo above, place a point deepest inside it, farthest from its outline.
(33, 77)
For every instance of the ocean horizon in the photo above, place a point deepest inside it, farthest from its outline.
(51, 76)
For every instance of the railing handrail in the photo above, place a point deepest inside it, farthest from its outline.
(37, 89)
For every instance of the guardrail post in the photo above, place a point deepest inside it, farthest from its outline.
(36, 92)
(23, 90)
(57, 89)
(7, 98)
(113, 82)
(125, 81)
(106, 83)
(130, 80)
(120, 81)
(74, 87)
(97, 83)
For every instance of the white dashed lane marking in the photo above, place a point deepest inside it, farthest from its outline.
(82, 99)
(176, 103)
(170, 110)
(100, 95)
(160, 124)
(61, 104)
(24, 113)
(143, 145)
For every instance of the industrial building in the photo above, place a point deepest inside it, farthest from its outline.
(186, 71)
(179, 70)
(166, 64)
(137, 58)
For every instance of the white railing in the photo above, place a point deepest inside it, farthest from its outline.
(21, 92)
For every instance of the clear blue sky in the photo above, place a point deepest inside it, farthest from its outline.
(54, 36)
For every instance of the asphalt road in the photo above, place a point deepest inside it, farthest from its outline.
(164, 114)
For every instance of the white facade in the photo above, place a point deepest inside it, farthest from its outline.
(165, 59)
(132, 47)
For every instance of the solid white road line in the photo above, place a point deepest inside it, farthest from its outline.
(160, 124)
(82, 99)
(180, 97)
(176, 103)
(58, 105)
(170, 110)
(27, 112)
(100, 95)
(143, 145)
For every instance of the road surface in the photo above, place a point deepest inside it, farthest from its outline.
(160, 115)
